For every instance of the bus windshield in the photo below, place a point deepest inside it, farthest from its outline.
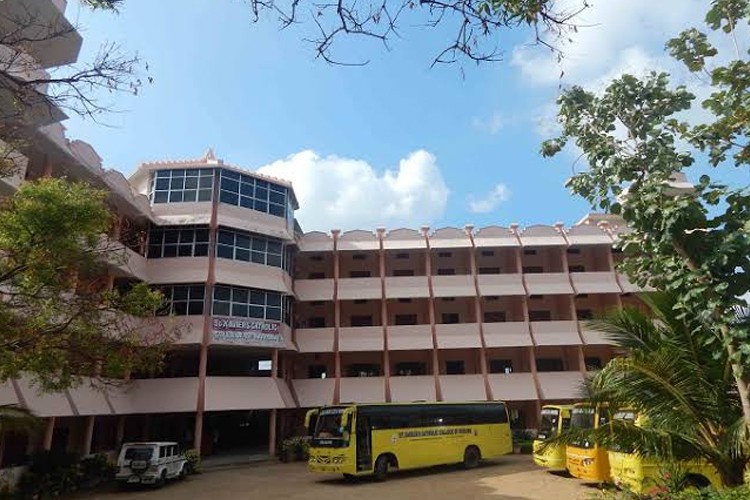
(329, 425)
(583, 418)
(548, 426)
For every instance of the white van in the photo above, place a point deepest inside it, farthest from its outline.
(150, 463)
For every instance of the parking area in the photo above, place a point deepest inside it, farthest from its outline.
(511, 478)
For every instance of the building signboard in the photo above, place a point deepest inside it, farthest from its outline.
(246, 331)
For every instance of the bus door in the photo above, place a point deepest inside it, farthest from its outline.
(364, 443)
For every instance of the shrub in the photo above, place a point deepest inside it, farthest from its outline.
(95, 470)
(295, 448)
(193, 461)
(54, 473)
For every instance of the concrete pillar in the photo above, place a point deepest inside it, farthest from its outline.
(120, 431)
(47, 168)
(272, 433)
(49, 431)
(88, 435)
(198, 434)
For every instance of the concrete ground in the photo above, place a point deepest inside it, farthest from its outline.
(509, 478)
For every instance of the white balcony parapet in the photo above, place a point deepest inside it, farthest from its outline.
(507, 334)
(312, 392)
(406, 287)
(412, 388)
(362, 390)
(361, 338)
(314, 339)
(463, 387)
(555, 333)
(409, 337)
(501, 285)
(548, 284)
(244, 393)
(595, 282)
(458, 336)
(513, 386)
(561, 385)
(359, 288)
(313, 290)
(454, 286)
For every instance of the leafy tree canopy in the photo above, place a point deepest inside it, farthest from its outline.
(693, 242)
(60, 318)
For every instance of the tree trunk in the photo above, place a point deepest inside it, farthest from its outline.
(743, 387)
(732, 474)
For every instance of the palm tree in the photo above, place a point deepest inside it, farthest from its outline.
(676, 377)
(16, 419)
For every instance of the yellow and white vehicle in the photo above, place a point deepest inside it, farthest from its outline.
(362, 439)
(554, 420)
(638, 474)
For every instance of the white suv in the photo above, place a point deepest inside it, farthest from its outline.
(150, 463)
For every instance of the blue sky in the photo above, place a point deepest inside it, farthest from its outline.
(259, 97)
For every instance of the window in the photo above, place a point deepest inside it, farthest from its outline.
(361, 321)
(488, 253)
(316, 258)
(182, 241)
(454, 367)
(265, 365)
(249, 247)
(501, 366)
(361, 301)
(317, 303)
(403, 272)
(405, 319)
(549, 365)
(494, 317)
(256, 194)
(448, 299)
(316, 276)
(450, 318)
(492, 298)
(577, 269)
(444, 271)
(359, 256)
(616, 250)
(582, 295)
(316, 322)
(407, 368)
(445, 255)
(489, 270)
(584, 314)
(529, 252)
(593, 363)
(359, 274)
(364, 370)
(316, 371)
(182, 300)
(533, 269)
(540, 316)
(573, 251)
(405, 301)
(536, 297)
(402, 255)
(247, 303)
(181, 185)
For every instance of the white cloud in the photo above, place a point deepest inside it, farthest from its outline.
(346, 193)
(626, 34)
(492, 125)
(490, 201)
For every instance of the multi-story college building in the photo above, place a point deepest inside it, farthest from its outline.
(275, 320)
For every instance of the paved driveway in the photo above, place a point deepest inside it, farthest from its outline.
(509, 478)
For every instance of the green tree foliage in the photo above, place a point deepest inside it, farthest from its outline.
(683, 389)
(693, 242)
(60, 320)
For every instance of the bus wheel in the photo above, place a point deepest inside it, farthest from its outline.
(471, 457)
(381, 467)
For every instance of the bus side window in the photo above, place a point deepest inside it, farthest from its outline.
(565, 423)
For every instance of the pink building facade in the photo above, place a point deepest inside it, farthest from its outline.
(275, 321)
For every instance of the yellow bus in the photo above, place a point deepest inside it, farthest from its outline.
(585, 459)
(554, 420)
(362, 439)
(639, 474)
